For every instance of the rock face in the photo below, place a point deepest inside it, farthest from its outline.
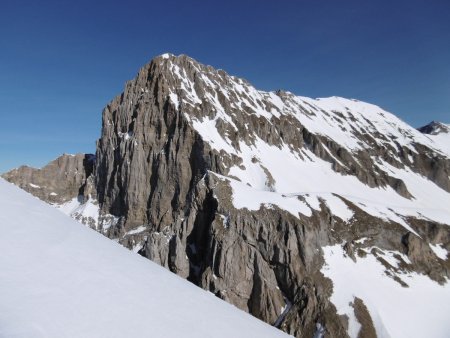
(239, 191)
(59, 181)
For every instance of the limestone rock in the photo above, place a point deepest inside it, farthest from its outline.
(59, 181)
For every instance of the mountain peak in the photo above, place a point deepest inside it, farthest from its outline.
(435, 128)
(166, 55)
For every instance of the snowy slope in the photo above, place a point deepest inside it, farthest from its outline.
(419, 310)
(439, 133)
(314, 178)
(304, 174)
(353, 125)
(60, 279)
(340, 119)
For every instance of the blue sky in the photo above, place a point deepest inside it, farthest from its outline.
(62, 61)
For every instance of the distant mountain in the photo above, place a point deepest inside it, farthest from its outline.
(439, 133)
(313, 215)
(435, 128)
(57, 280)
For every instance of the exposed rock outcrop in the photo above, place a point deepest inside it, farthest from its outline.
(435, 128)
(59, 181)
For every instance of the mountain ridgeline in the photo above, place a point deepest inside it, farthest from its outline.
(256, 196)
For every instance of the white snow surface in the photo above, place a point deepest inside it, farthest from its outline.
(252, 199)
(207, 129)
(420, 310)
(61, 279)
(82, 210)
(314, 178)
(138, 230)
(442, 139)
(439, 251)
(355, 115)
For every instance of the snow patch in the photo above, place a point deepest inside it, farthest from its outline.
(389, 303)
(208, 131)
(337, 207)
(439, 250)
(137, 230)
(252, 199)
(174, 99)
(86, 212)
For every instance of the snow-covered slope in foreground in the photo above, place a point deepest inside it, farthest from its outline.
(61, 279)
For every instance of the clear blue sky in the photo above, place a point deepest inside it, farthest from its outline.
(62, 61)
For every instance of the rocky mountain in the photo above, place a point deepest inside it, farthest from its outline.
(57, 182)
(318, 216)
(435, 128)
(439, 133)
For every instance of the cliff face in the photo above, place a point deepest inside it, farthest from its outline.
(254, 195)
(149, 158)
(57, 182)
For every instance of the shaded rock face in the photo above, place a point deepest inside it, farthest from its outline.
(263, 262)
(148, 156)
(59, 181)
(174, 140)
